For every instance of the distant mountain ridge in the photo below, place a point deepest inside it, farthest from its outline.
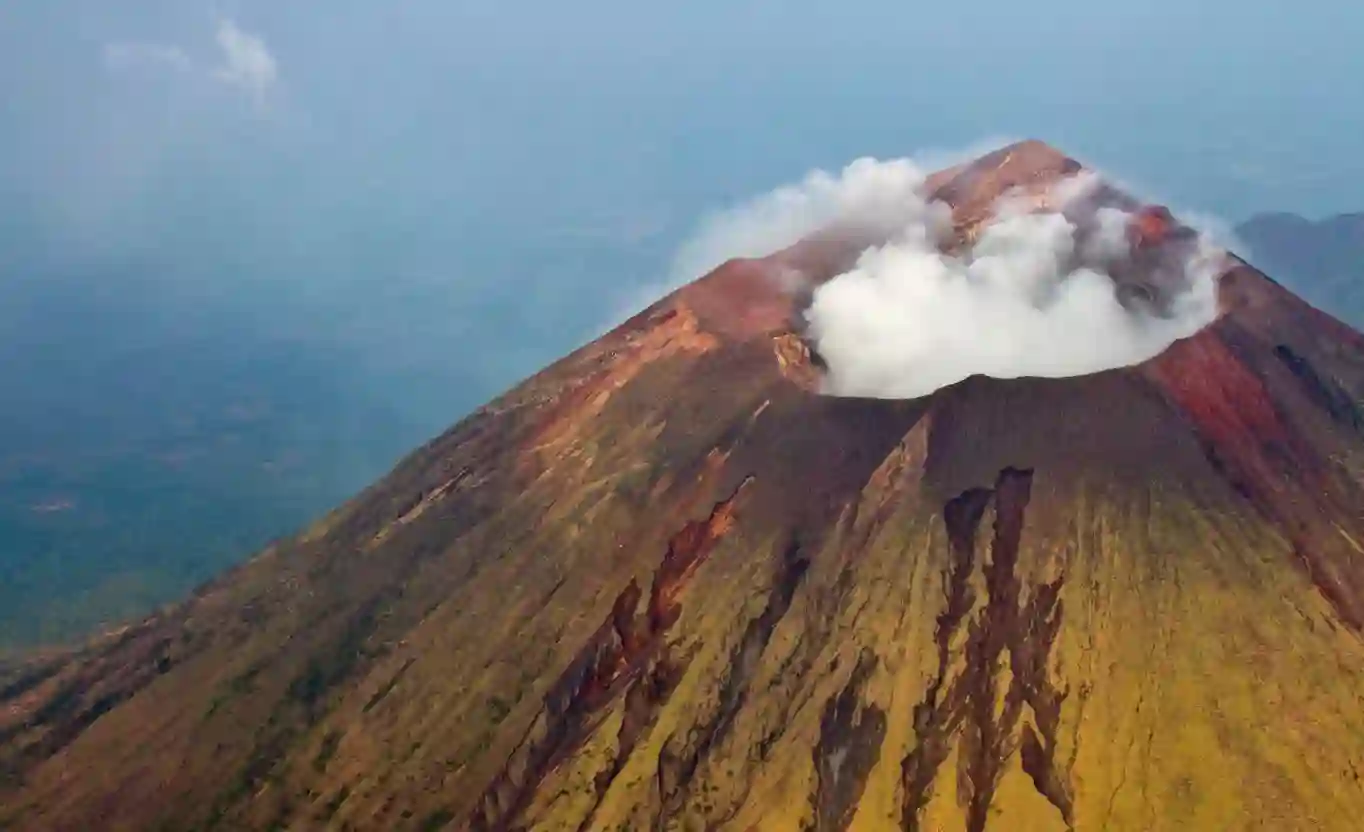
(1323, 260)
(666, 584)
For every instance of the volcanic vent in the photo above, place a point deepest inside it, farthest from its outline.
(665, 584)
(904, 293)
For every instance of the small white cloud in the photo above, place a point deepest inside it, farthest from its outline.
(247, 62)
(121, 56)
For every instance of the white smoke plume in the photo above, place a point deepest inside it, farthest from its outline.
(877, 194)
(1029, 296)
(869, 194)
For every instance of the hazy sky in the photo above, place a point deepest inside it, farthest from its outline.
(454, 191)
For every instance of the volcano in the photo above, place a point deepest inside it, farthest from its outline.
(668, 584)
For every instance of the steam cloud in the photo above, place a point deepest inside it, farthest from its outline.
(246, 63)
(1031, 295)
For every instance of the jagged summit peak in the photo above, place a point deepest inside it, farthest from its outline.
(1018, 160)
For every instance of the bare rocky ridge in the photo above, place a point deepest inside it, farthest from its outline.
(663, 584)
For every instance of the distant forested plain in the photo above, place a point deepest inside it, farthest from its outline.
(155, 430)
(115, 499)
(142, 450)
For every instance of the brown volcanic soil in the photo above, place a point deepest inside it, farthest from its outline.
(664, 585)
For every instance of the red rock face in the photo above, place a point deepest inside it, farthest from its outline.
(673, 331)
(1236, 412)
(973, 188)
(743, 299)
(748, 298)
(1228, 402)
(1151, 226)
(686, 551)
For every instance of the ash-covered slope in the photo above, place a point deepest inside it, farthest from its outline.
(665, 584)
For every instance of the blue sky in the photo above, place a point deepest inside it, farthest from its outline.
(452, 193)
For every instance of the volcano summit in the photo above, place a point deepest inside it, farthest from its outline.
(670, 583)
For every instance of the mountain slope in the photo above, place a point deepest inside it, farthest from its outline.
(664, 584)
(1323, 259)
